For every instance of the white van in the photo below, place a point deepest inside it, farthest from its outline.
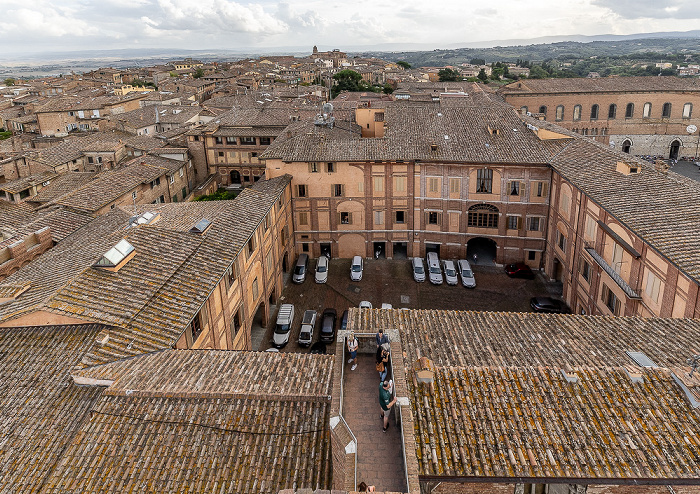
(418, 269)
(434, 271)
(300, 268)
(285, 318)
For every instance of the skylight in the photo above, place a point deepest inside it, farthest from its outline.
(201, 226)
(115, 255)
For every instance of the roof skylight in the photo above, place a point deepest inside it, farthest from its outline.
(115, 255)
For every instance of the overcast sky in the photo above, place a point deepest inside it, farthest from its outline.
(50, 25)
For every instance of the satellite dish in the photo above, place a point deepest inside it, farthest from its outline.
(691, 129)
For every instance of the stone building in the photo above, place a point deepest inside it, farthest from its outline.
(637, 115)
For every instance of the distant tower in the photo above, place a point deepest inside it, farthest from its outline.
(315, 51)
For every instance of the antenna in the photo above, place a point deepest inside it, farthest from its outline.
(694, 363)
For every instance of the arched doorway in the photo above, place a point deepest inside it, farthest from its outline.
(626, 146)
(675, 148)
(235, 177)
(485, 250)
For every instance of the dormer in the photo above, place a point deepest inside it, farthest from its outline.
(493, 130)
(628, 168)
(116, 257)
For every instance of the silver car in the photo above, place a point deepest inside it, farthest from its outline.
(450, 272)
(434, 271)
(466, 273)
(356, 269)
(418, 269)
(321, 275)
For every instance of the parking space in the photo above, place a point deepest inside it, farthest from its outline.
(391, 281)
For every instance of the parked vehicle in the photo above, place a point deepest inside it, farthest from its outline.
(328, 325)
(450, 272)
(549, 305)
(321, 275)
(308, 324)
(418, 269)
(344, 320)
(434, 271)
(365, 304)
(318, 348)
(300, 268)
(519, 270)
(466, 273)
(356, 268)
(285, 318)
(387, 306)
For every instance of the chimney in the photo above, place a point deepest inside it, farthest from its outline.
(424, 372)
(661, 166)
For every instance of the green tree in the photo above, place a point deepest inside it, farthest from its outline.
(482, 76)
(388, 88)
(537, 72)
(198, 73)
(403, 64)
(9, 81)
(449, 75)
(477, 61)
(496, 73)
(347, 80)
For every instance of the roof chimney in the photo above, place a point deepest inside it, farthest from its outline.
(661, 166)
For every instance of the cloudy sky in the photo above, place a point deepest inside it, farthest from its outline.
(51, 25)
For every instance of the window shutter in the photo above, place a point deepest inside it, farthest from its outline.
(545, 188)
(204, 316)
(339, 219)
(520, 222)
(617, 307)
(342, 190)
(349, 218)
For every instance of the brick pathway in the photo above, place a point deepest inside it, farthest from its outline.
(380, 459)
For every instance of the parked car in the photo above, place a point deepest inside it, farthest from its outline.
(387, 306)
(321, 275)
(328, 325)
(549, 305)
(285, 318)
(308, 324)
(450, 272)
(466, 273)
(344, 320)
(300, 268)
(434, 271)
(318, 348)
(365, 304)
(356, 268)
(418, 269)
(519, 270)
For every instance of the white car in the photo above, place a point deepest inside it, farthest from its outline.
(321, 275)
(434, 271)
(466, 273)
(387, 306)
(356, 268)
(418, 269)
(450, 272)
(365, 304)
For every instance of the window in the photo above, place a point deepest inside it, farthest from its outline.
(577, 112)
(219, 140)
(514, 188)
(399, 184)
(543, 110)
(559, 114)
(255, 289)
(230, 140)
(268, 261)
(653, 286)
(196, 326)
(454, 185)
(251, 246)
(531, 255)
(433, 218)
(610, 300)
(612, 111)
(433, 184)
(171, 179)
(184, 192)
(303, 218)
(400, 217)
(231, 275)
(253, 155)
(221, 154)
(646, 111)
(513, 222)
(133, 195)
(248, 141)
(617, 258)
(313, 167)
(301, 190)
(345, 218)
(337, 190)
(561, 241)
(91, 159)
(484, 179)
(378, 184)
(534, 224)
(590, 228)
(379, 217)
(541, 189)
(182, 171)
(629, 111)
(594, 112)
(666, 110)
(330, 168)
(565, 203)
(264, 141)
(305, 247)
(483, 216)
(687, 110)
(585, 270)
(236, 322)
(161, 199)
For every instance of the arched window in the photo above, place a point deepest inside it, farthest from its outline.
(594, 112)
(543, 109)
(666, 111)
(483, 216)
(629, 111)
(612, 111)
(559, 113)
(646, 112)
(577, 112)
(626, 146)
(687, 110)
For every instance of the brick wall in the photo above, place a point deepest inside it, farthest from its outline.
(16, 255)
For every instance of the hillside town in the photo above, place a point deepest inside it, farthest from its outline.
(209, 271)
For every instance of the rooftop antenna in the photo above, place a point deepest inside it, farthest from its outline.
(694, 363)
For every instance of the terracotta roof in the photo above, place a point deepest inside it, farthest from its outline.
(61, 185)
(518, 395)
(16, 186)
(603, 84)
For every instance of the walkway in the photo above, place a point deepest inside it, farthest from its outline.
(379, 455)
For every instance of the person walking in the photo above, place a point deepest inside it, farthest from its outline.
(352, 350)
(385, 402)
